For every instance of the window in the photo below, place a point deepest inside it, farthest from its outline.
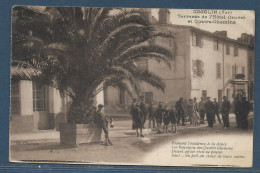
(39, 97)
(204, 93)
(121, 96)
(198, 68)
(15, 99)
(197, 40)
(235, 50)
(227, 49)
(216, 44)
(218, 71)
(234, 71)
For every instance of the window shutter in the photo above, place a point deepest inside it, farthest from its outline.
(202, 68)
(218, 68)
(194, 67)
(193, 39)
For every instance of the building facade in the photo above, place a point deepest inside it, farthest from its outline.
(206, 64)
(35, 107)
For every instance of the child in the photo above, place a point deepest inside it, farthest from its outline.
(196, 118)
(173, 118)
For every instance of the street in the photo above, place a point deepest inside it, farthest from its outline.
(126, 148)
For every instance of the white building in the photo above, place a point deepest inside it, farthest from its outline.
(206, 64)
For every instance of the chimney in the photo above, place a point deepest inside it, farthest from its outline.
(221, 33)
(246, 38)
(147, 14)
(164, 16)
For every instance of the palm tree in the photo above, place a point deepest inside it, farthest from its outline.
(80, 51)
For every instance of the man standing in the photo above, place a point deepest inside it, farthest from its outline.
(202, 110)
(103, 124)
(151, 111)
(245, 108)
(159, 116)
(225, 108)
(143, 108)
(237, 111)
(173, 119)
(133, 112)
(209, 109)
(216, 111)
(180, 111)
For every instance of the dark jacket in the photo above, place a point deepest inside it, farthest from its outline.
(209, 107)
(225, 108)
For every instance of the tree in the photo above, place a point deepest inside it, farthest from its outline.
(80, 51)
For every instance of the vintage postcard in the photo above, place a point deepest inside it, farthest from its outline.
(131, 86)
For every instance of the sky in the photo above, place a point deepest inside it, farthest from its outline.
(246, 23)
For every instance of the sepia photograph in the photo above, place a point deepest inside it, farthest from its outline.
(132, 86)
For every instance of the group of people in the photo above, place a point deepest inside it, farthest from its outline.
(212, 110)
(242, 108)
(187, 111)
(157, 116)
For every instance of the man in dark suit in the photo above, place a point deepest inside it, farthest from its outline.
(216, 111)
(143, 108)
(151, 111)
(180, 111)
(209, 109)
(225, 108)
(133, 112)
(245, 108)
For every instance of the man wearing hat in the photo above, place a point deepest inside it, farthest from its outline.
(201, 107)
(103, 124)
(180, 111)
(151, 111)
(209, 108)
(159, 116)
(143, 108)
(225, 108)
(245, 108)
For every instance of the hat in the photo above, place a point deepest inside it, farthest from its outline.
(100, 106)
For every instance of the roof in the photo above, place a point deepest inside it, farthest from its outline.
(192, 28)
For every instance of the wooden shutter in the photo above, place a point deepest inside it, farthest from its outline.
(218, 72)
(194, 67)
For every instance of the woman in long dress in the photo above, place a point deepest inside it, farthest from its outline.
(139, 120)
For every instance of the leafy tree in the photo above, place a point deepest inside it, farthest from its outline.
(80, 51)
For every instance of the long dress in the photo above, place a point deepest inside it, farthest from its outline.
(138, 118)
